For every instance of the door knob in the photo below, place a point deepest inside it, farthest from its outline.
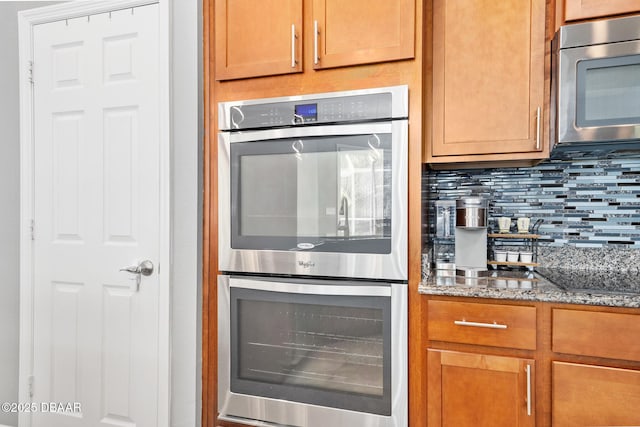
(145, 268)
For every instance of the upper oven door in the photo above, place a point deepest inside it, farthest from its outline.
(599, 93)
(315, 200)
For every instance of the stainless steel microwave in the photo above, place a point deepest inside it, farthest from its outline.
(596, 83)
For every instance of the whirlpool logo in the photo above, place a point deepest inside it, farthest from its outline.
(306, 264)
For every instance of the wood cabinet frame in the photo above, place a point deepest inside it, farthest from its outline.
(408, 72)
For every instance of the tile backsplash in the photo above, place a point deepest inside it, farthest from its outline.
(584, 203)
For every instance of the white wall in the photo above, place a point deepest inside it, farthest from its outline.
(187, 208)
(10, 203)
(187, 219)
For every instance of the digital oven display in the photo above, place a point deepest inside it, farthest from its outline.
(307, 112)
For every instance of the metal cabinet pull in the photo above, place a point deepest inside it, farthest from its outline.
(293, 46)
(316, 58)
(493, 325)
(529, 390)
(538, 129)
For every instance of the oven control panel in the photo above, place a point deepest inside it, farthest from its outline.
(336, 107)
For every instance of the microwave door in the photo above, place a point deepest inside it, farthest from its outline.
(599, 97)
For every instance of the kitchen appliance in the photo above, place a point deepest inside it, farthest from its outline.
(596, 85)
(312, 353)
(315, 184)
(471, 236)
(312, 302)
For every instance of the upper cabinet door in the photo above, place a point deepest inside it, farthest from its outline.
(257, 38)
(585, 9)
(488, 77)
(350, 32)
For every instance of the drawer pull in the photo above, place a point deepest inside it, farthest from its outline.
(493, 325)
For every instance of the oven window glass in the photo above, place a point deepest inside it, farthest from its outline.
(608, 91)
(326, 194)
(324, 350)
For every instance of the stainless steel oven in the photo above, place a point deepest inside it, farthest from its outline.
(596, 83)
(315, 184)
(312, 353)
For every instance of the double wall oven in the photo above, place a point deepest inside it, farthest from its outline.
(312, 299)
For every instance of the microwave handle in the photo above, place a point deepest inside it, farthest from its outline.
(311, 289)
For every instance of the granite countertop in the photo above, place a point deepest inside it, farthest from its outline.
(591, 276)
(560, 285)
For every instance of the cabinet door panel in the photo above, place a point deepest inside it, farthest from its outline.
(477, 390)
(488, 76)
(363, 31)
(254, 38)
(595, 396)
(585, 9)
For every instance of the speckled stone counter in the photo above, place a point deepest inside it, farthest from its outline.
(591, 276)
(536, 287)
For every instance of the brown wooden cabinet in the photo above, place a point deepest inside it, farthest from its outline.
(476, 390)
(257, 38)
(583, 361)
(488, 98)
(586, 9)
(228, 76)
(585, 395)
(599, 334)
(591, 393)
(466, 386)
(362, 31)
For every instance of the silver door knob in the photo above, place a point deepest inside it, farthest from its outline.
(145, 268)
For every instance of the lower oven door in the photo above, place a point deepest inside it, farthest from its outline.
(312, 352)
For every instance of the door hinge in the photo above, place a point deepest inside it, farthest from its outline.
(31, 381)
(32, 229)
(30, 72)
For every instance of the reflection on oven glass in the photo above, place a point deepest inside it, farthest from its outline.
(362, 190)
(334, 188)
(316, 346)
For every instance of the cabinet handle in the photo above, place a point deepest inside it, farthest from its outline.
(493, 325)
(293, 46)
(529, 390)
(316, 59)
(538, 129)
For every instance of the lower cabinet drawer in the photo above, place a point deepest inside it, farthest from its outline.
(585, 395)
(588, 333)
(482, 324)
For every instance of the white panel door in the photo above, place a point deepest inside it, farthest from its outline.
(97, 186)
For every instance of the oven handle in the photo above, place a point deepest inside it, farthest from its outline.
(314, 131)
(313, 289)
(246, 421)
